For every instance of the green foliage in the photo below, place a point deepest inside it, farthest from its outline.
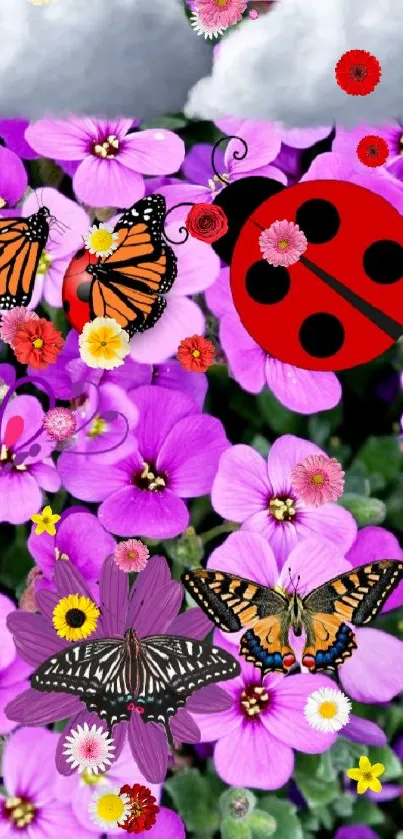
(382, 455)
(310, 776)
(366, 511)
(235, 829)
(192, 796)
(391, 762)
(278, 418)
(285, 815)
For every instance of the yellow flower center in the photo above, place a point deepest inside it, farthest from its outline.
(149, 480)
(221, 3)
(91, 779)
(108, 149)
(101, 240)
(283, 244)
(110, 808)
(328, 710)
(44, 264)
(318, 479)
(38, 343)
(20, 811)
(282, 509)
(254, 700)
(3, 203)
(8, 457)
(98, 427)
(59, 555)
(196, 353)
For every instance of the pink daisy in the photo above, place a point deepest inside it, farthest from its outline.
(219, 14)
(253, 14)
(318, 479)
(282, 243)
(131, 555)
(60, 424)
(12, 320)
(89, 749)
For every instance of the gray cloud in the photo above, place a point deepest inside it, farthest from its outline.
(281, 66)
(101, 57)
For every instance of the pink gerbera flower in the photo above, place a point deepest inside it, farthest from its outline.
(131, 555)
(60, 424)
(12, 320)
(318, 479)
(282, 243)
(219, 14)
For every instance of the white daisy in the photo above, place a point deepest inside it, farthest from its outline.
(327, 709)
(201, 28)
(89, 749)
(109, 809)
(101, 239)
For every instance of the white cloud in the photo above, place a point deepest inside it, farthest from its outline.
(281, 66)
(101, 57)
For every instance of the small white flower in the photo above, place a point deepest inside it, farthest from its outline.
(201, 29)
(327, 709)
(108, 808)
(101, 240)
(89, 749)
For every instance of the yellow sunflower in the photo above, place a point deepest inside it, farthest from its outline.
(75, 617)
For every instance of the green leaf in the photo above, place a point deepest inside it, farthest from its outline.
(326, 770)
(261, 824)
(366, 812)
(187, 550)
(16, 563)
(344, 805)
(356, 480)
(189, 791)
(235, 829)
(390, 760)
(346, 753)
(261, 445)
(279, 418)
(170, 122)
(60, 725)
(317, 792)
(237, 802)
(322, 425)
(287, 823)
(382, 455)
(366, 511)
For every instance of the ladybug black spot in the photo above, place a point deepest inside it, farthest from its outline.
(321, 335)
(83, 292)
(267, 284)
(383, 262)
(319, 220)
(239, 200)
(66, 306)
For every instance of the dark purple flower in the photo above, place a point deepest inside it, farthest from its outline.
(13, 181)
(151, 607)
(13, 133)
(13, 671)
(355, 831)
(177, 457)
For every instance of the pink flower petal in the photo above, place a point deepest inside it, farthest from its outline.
(246, 360)
(181, 318)
(106, 183)
(241, 487)
(61, 139)
(285, 718)
(154, 151)
(303, 391)
(211, 699)
(251, 757)
(373, 673)
(191, 453)
(151, 515)
(284, 454)
(330, 521)
(34, 775)
(247, 555)
(315, 561)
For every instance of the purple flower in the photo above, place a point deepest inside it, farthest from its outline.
(13, 133)
(151, 608)
(61, 245)
(13, 671)
(29, 774)
(177, 457)
(346, 142)
(315, 561)
(355, 831)
(261, 497)
(303, 391)
(371, 544)
(80, 539)
(13, 182)
(21, 485)
(112, 161)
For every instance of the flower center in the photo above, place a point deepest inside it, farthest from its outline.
(101, 240)
(59, 555)
(110, 808)
(358, 72)
(401, 144)
(318, 479)
(328, 710)
(148, 479)
(3, 203)
(75, 618)
(37, 343)
(6, 456)
(283, 244)
(44, 264)
(215, 182)
(196, 353)
(254, 700)
(3, 390)
(90, 779)
(282, 509)
(367, 776)
(221, 3)
(20, 811)
(108, 149)
(97, 428)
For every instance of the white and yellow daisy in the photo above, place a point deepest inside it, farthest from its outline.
(89, 749)
(109, 809)
(200, 28)
(104, 344)
(101, 239)
(327, 709)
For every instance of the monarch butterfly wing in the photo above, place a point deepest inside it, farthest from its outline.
(21, 245)
(139, 232)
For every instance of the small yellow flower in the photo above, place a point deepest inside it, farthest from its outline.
(75, 617)
(104, 344)
(367, 775)
(45, 521)
(101, 240)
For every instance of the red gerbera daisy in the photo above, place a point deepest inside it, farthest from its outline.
(37, 343)
(372, 151)
(196, 354)
(143, 808)
(358, 72)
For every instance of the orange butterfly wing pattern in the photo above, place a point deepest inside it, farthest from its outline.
(129, 284)
(22, 241)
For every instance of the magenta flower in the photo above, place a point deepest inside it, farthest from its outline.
(13, 182)
(21, 485)
(13, 133)
(13, 671)
(176, 457)
(346, 142)
(151, 608)
(374, 543)
(282, 243)
(112, 159)
(303, 391)
(261, 497)
(29, 807)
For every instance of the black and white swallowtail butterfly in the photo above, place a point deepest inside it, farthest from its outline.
(153, 676)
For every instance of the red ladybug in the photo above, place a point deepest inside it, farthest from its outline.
(76, 289)
(341, 304)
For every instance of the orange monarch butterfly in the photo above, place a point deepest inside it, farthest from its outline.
(22, 241)
(128, 285)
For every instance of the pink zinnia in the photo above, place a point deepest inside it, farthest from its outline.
(218, 14)
(318, 479)
(60, 424)
(282, 243)
(12, 320)
(131, 555)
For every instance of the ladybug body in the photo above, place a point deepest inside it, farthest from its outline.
(76, 289)
(341, 303)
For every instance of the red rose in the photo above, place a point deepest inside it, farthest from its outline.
(207, 223)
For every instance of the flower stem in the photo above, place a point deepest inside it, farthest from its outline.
(226, 527)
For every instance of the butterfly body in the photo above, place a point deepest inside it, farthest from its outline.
(324, 615)
(117, 676)
(22, 241)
